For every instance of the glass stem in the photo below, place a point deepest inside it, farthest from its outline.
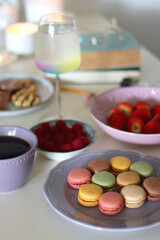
(58, 97)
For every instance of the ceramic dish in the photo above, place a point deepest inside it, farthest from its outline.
(102, 104)
(60, 156)
(45, 91)
(14, 171)
(63, 199)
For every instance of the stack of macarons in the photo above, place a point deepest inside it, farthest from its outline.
(115, 183)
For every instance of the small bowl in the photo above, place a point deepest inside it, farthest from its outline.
(60, 156)
(15, 171)
(101, 106)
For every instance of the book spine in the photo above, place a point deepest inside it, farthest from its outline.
(110, 59)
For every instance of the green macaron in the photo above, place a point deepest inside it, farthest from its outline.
(104, 179)
(144, 169)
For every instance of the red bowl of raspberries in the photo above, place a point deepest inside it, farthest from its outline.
(63, 139)
(129, 114)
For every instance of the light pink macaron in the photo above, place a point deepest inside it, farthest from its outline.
(79, 176)
(111, 203)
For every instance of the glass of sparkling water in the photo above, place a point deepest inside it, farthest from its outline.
(57, 48)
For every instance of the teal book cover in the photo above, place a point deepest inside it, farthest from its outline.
(114, 51)
(111, 42)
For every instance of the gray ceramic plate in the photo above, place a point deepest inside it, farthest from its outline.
(63, 199)
(45, 91)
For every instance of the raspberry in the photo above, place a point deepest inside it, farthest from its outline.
(54, 130)
(85, 140)
(80, 133)
(67, 130)
(67, 147)
(59, 148)
(60, 124)
(70, 136)
(77, 144)
(60, 137)
(77, 127)
(57, 135)
(69, 140)
(49, 146)
(60, 140)
(41, 142)
(48, 136)
(39, 131)
(46, 126)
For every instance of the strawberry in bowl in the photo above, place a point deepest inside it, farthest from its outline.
(129, 114)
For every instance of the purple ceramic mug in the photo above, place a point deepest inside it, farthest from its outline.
(15, 171)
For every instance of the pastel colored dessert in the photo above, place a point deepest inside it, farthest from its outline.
(134, 196)
(104, 179)
(119, 164)
(127, 178)
(111, 203)
(89, 195)
(152, 187)
(98, 164)
(79, 176)
(144, 169)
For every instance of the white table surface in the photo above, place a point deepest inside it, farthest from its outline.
(25, 214)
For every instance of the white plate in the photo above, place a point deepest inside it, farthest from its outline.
(45, 91)
(63, 198)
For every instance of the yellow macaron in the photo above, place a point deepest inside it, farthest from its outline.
(120, 164)
(89, 195)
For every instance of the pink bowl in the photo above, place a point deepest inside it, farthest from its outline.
(102, 104)
(15, 171)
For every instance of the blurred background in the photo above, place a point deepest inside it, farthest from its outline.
(140, 17)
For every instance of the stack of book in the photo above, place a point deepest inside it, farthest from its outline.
(106, 58)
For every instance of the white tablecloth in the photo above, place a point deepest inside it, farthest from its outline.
(25, 213)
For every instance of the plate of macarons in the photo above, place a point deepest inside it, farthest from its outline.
(112, 190)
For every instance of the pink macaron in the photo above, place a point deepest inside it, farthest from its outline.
(79, 176)
(111, 203)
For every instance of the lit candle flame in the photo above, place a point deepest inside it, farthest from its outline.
(22, 28)
(22, 32)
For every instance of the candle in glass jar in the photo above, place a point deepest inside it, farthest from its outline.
(34, 9)
(19, 38)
